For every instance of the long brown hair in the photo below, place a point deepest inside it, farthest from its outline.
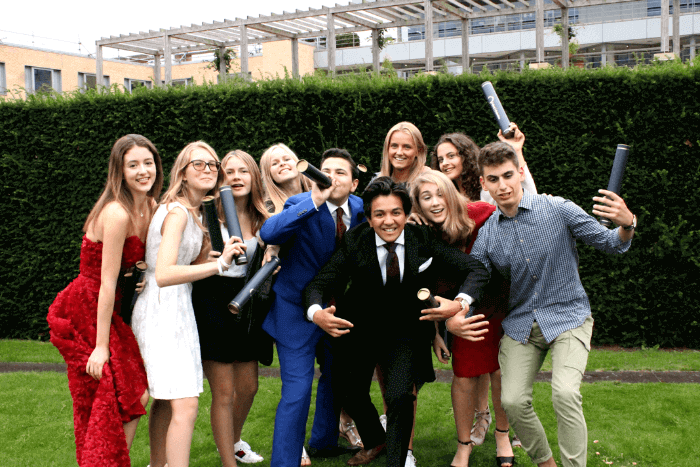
(178, 191)
(418, 163)
(468, 151)
(274, 193)
(256, 199)
(115, 188)
(458, 226)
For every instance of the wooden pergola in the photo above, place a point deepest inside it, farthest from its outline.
(354, 17)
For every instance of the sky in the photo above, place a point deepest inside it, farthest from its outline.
(74, 25)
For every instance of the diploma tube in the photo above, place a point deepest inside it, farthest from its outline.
(497, 109)
(217, 241)
(314, 174)
(618, 173)
(234, 227)
(253, 285)
(132, 277)
(427, 298)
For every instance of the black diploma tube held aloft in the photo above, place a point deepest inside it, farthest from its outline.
(253, 285)
(497, 109)
(234, 227)
(618, 173)
(217, 241)
(427, 298)
(314, 174)
(132, 277)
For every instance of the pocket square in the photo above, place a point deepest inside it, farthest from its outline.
(425, 265)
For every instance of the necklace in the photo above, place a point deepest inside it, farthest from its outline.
(141, 214)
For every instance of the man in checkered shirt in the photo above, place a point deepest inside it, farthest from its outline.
(531, 239)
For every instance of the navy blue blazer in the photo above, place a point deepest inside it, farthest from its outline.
(308, 236)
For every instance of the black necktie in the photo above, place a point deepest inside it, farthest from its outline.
(393, 273)
(339, 227)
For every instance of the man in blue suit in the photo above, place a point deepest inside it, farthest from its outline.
(309, 228)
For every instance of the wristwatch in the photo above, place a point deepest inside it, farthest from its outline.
(633, 225)
(462, 302)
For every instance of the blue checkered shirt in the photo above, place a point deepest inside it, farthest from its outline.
(536, 252)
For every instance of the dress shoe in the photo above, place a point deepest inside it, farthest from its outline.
(367, 455)
(332, 451)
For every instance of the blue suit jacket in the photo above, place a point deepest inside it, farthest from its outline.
(309, 238)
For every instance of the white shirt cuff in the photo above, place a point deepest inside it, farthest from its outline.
(312, 311)
(466, 298)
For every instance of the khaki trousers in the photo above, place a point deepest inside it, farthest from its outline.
(520, 363)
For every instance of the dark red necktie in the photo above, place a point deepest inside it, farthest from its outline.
(393, 273)
(339, 227)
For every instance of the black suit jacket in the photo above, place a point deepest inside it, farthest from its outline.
(376, 311)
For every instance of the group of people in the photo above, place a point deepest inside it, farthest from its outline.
(503, 273)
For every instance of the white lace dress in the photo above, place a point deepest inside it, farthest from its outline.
(163, 319)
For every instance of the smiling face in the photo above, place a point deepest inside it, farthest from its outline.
(503, 182)
(204, 180)
(402, 151)
(283, 167)
(341, 172)
(387, 217)
(449, 160)
(238, 176)
(139, 169)
(432, 203)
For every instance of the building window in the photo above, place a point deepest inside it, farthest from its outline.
(41, 80)
(3, 80)
(131, 84)
(179, 82)
(89, 81)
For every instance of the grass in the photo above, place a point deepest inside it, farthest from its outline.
(649, 359)
(643, 423)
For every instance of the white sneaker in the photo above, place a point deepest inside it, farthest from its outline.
(410, 460)
(245, 454)
(382, 420)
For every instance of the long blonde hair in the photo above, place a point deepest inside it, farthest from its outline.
(458, 226)
(418, 163)
(256, 199)
(274, 192)
(115, 189)
(178, 191)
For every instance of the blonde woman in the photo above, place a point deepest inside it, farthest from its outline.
(163, 318)
(278, 166)
(404, 153)
(231, 348)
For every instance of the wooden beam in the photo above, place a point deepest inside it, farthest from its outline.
(375, 51)
(330, 44)
(565, 38)
(460, 6)
(479, 6)
(168, 59)
(428, 35)
(156, 69)
(223, 73)
(99, 65)
(443, 5)
(676, 27)
(271, 30)
(539, 31)
(199, 40)
(244, 51)
(465, 46)
(354, 20)
(561, 3)
(664, 26)
(295, 57)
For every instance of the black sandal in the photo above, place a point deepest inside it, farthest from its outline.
(465, 443)
(504, 460)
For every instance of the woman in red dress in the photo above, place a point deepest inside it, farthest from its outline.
(106, 376)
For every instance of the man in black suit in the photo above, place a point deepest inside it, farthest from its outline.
(379, 318)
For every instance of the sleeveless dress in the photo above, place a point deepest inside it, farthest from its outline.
(163, 319)
(99, 407)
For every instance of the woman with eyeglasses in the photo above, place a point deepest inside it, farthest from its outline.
(163, 318)
(106, 376)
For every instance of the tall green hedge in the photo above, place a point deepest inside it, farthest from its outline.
(54, 164)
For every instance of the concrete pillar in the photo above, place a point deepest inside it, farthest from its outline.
(565, 37)
(330, 44)
(99, 74)
(539, 31)
(465, 46)
(156, 69)
(603, 55)
(428, 6)
(692, 47)
(244, 51)
(223, 74)
(522, 60)
(295, 57)
(664, 26)
(168, 60)
(676, 27)
(375, 50)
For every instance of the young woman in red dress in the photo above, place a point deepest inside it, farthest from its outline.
(106, 375)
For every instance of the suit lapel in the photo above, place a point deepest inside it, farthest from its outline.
(327, 227)
(412, 259)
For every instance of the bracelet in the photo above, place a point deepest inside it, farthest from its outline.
(222, 266)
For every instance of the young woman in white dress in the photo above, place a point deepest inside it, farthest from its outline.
(163, 319)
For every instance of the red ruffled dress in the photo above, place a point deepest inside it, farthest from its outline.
(472, 359)
(99, 407)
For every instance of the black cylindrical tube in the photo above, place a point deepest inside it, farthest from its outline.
(497, 109)
(232, 224)
(314, 174)
(253, 285)
(217, 241)
(617, 174)
(132, 277)
(427, 298)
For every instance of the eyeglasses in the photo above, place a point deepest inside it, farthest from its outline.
(199, 165)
